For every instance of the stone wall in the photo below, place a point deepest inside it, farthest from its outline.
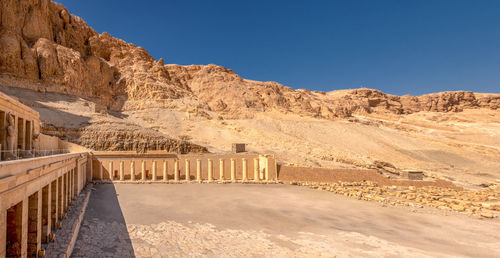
(49, 145)
(48, 142)
(325, 175)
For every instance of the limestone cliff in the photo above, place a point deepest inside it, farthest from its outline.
(49, 49)
(122, 138)
(107, 94)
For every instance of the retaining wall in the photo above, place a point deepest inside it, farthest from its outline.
(325, 175)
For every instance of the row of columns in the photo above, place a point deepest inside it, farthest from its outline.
(34, 220)
(120, 174)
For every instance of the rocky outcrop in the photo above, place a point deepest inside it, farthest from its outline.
(42, 42)
(374, 101)
(121, 137)
(51, 50)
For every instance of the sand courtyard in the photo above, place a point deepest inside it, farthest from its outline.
(228, 220)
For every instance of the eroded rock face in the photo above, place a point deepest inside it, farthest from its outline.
(46, 49)
(42, 42)
(114, 137)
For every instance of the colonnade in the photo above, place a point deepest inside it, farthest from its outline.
(32, 209)
(19, 129)
(196, 169)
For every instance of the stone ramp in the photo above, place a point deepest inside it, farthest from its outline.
(65, 239)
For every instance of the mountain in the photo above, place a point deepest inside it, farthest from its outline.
(107, 94)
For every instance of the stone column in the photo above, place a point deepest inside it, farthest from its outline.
(24, 229)
(60, 209)
(132, 170)
(84, 174)
(77, 178)
(165, 174)
(256, 176)
(89, 171)
(72, 184)
(33, 216)
(176, 170)
(29, 135)
(66, 191)
(23, 135)
(154, 170)
(210, 170)
(100, 171)
(221, 170)
(233, 171)
(143, 170)
(188, 167)
(267, 174)
(63, 195)
(55, 203)
(244, 169)
(79, 175)
(75, 182)
(122, 176)
(198, 170)
(49, 210)
(3, 231)
(78, 169)
(39, 221)
(111, 172)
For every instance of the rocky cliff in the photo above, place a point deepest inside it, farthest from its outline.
(107, 94)
(109, 136)
(48, 49)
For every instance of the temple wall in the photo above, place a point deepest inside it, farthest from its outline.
(48, 142)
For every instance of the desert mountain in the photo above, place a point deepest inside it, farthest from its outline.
(54, 62)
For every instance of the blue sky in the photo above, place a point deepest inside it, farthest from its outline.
(400, 47)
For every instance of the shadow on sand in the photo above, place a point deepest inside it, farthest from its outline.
(103, 232)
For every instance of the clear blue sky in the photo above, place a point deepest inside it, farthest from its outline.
(400, 47)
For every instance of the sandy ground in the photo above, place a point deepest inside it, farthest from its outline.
(158, 220)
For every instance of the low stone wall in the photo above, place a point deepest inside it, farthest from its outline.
(325, 175)
(47, 142)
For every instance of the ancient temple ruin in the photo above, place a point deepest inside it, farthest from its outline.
(37, 192)
(19, 129)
